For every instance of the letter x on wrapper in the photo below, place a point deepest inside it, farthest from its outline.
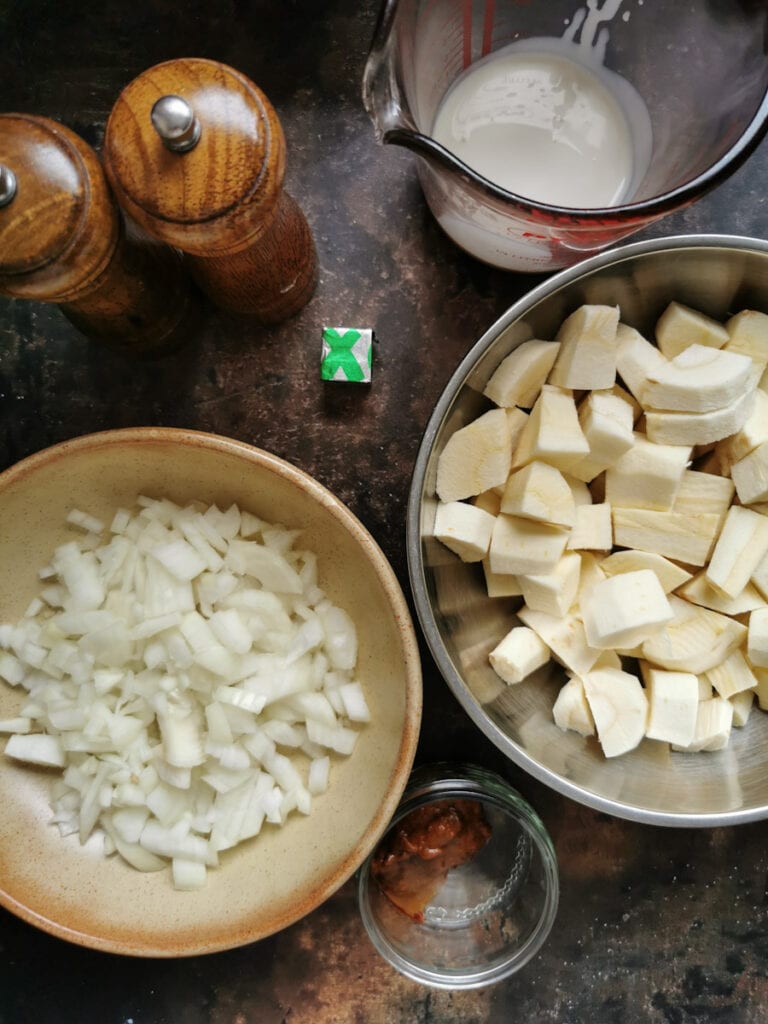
(347, 354)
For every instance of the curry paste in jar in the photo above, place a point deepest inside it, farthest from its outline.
(414, 859)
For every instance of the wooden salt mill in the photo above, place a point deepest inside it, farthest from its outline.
(196, 155)
(63, 239)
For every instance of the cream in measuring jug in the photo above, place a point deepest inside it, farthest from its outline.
(545, 119)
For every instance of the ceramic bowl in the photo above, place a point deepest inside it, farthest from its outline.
(718, 275)
(267, 883)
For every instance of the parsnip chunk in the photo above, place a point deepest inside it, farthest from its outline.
(565, 637)
(699, 591)
(581, 493)
(714, 719)
(742, 704)
(632, 402)
(757, 638)
(571, 710)
(680, 326)
(587, 356)
(697, 428)
(519, 654)
(464, 529)
(525, 546)
(673, 699)
(553, 592)
(750, 475)
(516, 420)
(742, 543)
(623, 611)
(696, 640)
(619, 707)
(647, 475)
(500, 584)
(637, 360)
(518, 378)
(698, 379)
(669, 575)
(591, 570)
(753, 432)
(592, 529)
(475, 458)
(607, 423)
(552, 433)
(703, 492)
(539, 491)
(686, 538)
(732, 675)
(748, 335)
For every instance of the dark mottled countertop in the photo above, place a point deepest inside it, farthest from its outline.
(655, 925)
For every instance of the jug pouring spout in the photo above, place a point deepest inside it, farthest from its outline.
(434, 154)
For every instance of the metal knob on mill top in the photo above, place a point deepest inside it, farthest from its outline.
(63, 239)
(195, 154)
(175, 123)
(7, 185)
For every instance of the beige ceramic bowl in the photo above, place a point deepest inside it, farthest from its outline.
(266, 884)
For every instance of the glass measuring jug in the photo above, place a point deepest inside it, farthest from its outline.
(691, 81)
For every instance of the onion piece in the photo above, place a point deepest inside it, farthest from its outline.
(36, 748)
(319, 771)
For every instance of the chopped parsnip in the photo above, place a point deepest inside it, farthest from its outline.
(643, 473)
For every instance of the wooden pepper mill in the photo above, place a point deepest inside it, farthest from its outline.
(63, 239)
(196, 155)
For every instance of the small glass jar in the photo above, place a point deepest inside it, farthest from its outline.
(482, 919)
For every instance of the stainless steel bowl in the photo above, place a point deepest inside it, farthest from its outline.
(719, 275)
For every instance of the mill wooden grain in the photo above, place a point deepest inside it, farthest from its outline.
(222, 203)
(64, 240)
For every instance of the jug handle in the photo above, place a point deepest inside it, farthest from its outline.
(382, 97)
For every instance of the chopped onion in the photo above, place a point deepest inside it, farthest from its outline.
(354, 702)
(189, 675)
(187, 874)
(318, 775)
(17, 725)
(340, 638)
(88, 523)
(36, 748)
(11, 669)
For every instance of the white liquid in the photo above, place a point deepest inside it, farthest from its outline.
(545, 126)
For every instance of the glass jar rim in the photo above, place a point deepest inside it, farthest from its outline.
(457, 780)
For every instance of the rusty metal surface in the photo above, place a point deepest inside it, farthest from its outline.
(655, 925)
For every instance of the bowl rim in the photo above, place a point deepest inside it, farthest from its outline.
(230, 939)
(516, 311)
